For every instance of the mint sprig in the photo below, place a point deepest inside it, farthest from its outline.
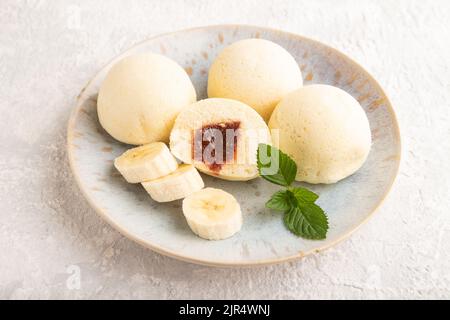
(276, 166)
(302, 216)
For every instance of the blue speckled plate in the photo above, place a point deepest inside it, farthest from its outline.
(263, 238)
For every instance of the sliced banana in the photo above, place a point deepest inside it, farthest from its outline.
(147, 162)
(212, 214)
(177, 185)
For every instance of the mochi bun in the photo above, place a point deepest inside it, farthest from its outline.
(226, 129)
(141, 96)
(256, 72)
(325, 130)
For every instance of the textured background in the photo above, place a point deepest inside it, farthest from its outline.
(54, 246)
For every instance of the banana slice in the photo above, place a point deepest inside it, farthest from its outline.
(177, 185)
(212, 214)
(147, 162)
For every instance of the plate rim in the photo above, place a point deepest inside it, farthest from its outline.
(208, 262)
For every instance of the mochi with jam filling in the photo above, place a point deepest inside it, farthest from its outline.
(220, 137)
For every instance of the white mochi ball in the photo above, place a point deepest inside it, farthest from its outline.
(325, 130)
(141, 96)
(256, 72)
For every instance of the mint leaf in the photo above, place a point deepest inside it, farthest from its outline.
(275, 166)
(280, 201)
(307, 221)
(303, 195)
(302, 216)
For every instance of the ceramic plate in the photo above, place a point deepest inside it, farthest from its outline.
(263, 238)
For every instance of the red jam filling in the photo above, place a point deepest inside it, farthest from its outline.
(215, 144)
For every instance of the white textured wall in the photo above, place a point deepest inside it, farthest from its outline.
(49, 49)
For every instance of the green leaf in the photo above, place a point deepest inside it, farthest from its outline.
(303, 195)
(275, 166)
(280, 201)
(307, 221)
(301, 215)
